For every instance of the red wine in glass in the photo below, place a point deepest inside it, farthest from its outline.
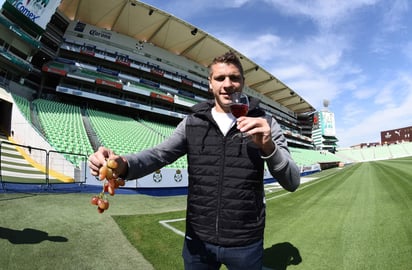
(239, 107)
(240, 104)
(239, 110)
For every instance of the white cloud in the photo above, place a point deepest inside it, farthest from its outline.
(259, 48)
(395, 92)
(324, 13)
(320, 52)
(190, 9)
(313, 67)
(292, 72)
(352, 111)
(392, 22)
(363, 123)
(384, 98)
(367, 129)
(392, 18)
(315, 89)
(364, 93)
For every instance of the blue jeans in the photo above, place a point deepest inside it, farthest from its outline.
(199, 255)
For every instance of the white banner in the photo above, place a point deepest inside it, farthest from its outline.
(327, 121)
(38, 11)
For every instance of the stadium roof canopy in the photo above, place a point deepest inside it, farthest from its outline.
(147, 23)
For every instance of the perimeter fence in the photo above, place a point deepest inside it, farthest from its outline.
(22, 164)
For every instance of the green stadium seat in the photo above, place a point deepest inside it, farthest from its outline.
(24, 106)
(134, 136)
(63, 127)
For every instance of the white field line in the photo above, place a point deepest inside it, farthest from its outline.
(166, 224)
(303, 180)
(269, 188)
(179, 232)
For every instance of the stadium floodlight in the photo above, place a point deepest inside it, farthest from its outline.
(325, 103)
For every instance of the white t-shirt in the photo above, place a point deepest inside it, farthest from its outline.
(224, 120)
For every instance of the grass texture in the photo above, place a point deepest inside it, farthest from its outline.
(358, 217)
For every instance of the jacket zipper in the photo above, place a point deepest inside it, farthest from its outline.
(219, 189)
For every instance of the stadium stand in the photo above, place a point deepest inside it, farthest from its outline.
(63, 127)
(165, 129)
(24, 106)
(80, 85)
(400, 150)
(378, 152)
(125, 135)
(304, 157)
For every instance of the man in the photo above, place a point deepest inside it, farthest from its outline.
(225, 217)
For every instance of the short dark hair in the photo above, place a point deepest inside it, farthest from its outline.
(228, 58)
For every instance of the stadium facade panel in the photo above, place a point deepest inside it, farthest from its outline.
(395, 136)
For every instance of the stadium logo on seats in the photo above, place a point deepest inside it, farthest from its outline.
(178, 176)
(157, 176)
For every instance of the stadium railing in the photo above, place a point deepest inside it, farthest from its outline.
(22, 164)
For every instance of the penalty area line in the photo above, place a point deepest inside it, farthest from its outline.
(166, 224)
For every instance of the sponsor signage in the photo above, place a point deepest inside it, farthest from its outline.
(54, 70)
(162, 97)
(108, 71)
(327, 123)
(109, 83)
(187, 82)
(157, 72)
(37, 11)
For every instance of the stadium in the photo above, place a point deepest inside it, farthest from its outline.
(124, 76)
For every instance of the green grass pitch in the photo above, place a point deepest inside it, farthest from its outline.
(358, 217)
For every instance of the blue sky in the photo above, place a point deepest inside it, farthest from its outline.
(355, 53)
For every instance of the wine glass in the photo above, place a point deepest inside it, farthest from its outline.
(239, 107)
